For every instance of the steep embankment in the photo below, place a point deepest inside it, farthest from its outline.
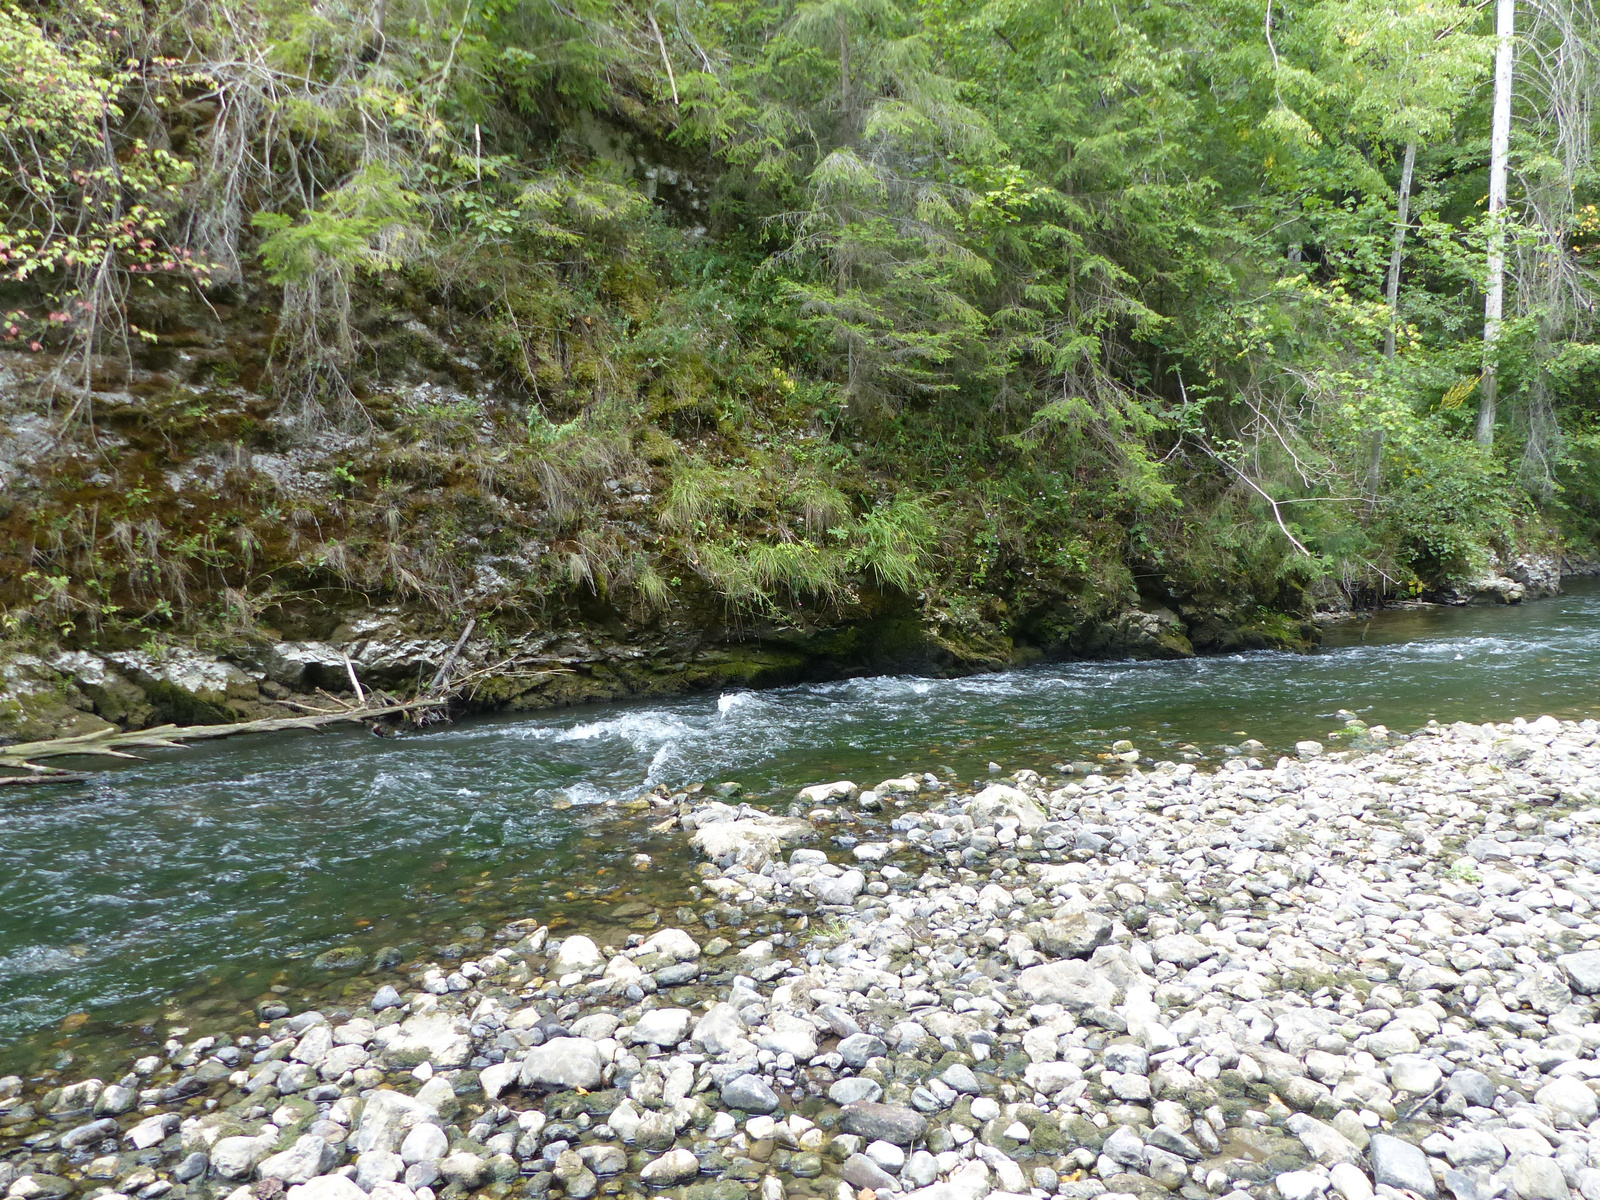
(192, 549)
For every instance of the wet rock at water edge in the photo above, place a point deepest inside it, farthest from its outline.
(889, 1122)
(340, 958)
(749, 1093)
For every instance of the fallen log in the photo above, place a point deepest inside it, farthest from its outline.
(111, 743)
(46, 777)
(115, 743)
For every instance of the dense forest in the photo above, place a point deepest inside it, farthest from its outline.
(1009, 317)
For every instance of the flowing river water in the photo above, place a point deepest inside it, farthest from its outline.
(188, 886)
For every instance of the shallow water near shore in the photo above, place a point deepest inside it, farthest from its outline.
(184, 887)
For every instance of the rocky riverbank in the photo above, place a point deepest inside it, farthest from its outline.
(1371, 971)
(49, 691)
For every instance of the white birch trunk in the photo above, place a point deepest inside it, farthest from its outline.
(1402, 215)
(1499, 152)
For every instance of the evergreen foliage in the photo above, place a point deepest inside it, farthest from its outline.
(928, 297)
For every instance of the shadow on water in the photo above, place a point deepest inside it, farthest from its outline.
(193, 883)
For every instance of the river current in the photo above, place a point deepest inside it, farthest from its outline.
(198, 879)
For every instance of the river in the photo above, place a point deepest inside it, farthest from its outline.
(185, 886)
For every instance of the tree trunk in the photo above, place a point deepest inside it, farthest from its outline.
(1402, 214)
(1499, 152)
(1390, 335)
(844, 65)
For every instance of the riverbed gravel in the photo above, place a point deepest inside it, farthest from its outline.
(1357, 972)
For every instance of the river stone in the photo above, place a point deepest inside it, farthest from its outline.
(562, 1063)
(1000, 799)
(1072, 983)
(327, 1187)
(577, 954)
(386, 997)
(295, 1077)
(439, 1094)
(721, 1030)
(85, 1135)
(1050, 1077)
(1350, 1182)
(1569, 1097)
(387, 1117)
(1075, 935)
(840, 890)
(1475, 1148)
(859, 1048)
(671, 1169)
(378, 1166)
(854, 1088)
(959, 1077)
(1414, 1074)
(41, 1186)
(822, 793)
(1324, 1143)
(604, 1159)
(888, 1122)
(1301, 1185)
(889, 1156)
(497, 1077)
(1164, 1137)
(655, 1131)
(1127, 1057)
(1400, 1165)
(425, 1143)
(418, 1175)
(864, 1173)
(340, 958)
(1474, 1087)
(1582, 970)
(434, 1038)
(749, 1093)
(302, 1162)
(663, 1026)
(673, 944)
(236, 1157)
(152, 1131)
(1298, 1030)
(1538, 1178)
(838, 1020)
(801, 1043)
(1389, 1041)
(465, 1169)
(576, 1179)
(752, 842)
(116, 1100)
(1124, 1146)
(314, 1046)
(921, 1169)
(1181, 949)
(339, 1060)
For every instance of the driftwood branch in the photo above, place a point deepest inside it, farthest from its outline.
(355, 684)
(442, 679)
(112, 743)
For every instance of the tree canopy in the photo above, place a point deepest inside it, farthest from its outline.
(1103, 266)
